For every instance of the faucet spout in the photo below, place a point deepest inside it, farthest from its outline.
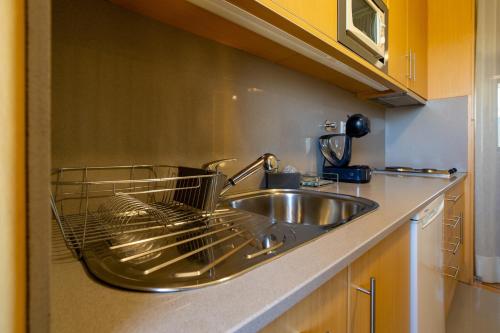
(268, 162)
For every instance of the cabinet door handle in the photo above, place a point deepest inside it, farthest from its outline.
(372, 293)
(455, 221)
(455, 246)
(414, 66)
(454, 275)
(410, 65)
(453, 198)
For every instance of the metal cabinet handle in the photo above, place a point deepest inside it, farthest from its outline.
(455, 248)
(453, 198)
(414, 67)
(456, 221)
(410, 65)
(372, 293)
(455, 275)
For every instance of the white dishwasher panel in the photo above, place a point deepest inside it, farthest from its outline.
(426, 261)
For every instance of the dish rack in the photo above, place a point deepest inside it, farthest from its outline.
(159, 228)
(95, 204)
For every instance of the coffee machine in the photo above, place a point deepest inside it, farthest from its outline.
(337, 150)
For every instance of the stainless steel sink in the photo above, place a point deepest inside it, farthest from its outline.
(245, 231)
(302, 207)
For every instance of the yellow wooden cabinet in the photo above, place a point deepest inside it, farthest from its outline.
(388, 263)
(451, 48)
(407, 45)
(340, 306)
(417, 44)
(398, 66)
(318, 17)
(324, 310)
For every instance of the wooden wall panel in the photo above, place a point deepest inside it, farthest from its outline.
(12, 173)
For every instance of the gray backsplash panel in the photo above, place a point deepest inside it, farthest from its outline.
(430, 136)
(128, 89)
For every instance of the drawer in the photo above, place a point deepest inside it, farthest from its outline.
(451, 270)
(454, 197)
(453, 228)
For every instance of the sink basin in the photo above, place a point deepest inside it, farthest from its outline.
(247, 230)
(302, 206)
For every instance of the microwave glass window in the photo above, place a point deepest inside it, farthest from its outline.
(364, 17)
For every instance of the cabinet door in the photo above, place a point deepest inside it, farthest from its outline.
(398, 66)
(388, 263)
(318, 17)
(417, 42)
(451, 48)
(325, 310)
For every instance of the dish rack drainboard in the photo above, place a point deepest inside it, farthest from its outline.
(145, 219)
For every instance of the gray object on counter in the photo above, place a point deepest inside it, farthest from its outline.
(282, 180)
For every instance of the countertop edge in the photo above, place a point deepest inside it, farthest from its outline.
(276, 309)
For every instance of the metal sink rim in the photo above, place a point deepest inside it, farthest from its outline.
(370, 204)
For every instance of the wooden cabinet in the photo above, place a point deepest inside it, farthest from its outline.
(318, 17)
(398, 66)
(417, 46)
(325, 310)
(407, 45)
(451, 48)
(298, 34)
(389, 264)
(339, 306)
(453, 240)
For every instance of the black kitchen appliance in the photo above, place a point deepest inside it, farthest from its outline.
(337, 150)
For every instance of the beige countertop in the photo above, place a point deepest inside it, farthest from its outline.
(250, 301)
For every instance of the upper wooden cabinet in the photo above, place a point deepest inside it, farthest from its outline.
(451, 48)
(301, 35)
(319, 16)
(417, 44)
(398, 66)
(408, 44)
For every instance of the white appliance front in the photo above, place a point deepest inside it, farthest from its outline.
(426, 261)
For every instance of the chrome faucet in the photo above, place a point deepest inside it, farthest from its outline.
(268, 162)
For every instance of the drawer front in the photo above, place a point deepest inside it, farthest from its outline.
(453, 251)
(454, 216)
(454, 197)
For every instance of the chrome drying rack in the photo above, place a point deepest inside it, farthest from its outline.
(128, 222)
(92, 204)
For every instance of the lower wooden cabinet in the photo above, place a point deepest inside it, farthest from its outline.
(338, 306)
(453, 249)
(325, 310)
(388, 263)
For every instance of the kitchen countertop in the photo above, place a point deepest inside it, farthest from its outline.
(250, 301)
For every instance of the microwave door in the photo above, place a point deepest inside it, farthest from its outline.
(365, 23)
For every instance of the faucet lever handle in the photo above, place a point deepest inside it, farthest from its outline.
(214, 165)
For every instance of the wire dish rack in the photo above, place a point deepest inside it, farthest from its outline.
(93, 204)
(158, 228)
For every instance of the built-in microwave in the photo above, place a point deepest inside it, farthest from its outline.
(362, 27)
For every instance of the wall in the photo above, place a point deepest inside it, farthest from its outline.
(12, 182)
(432, 136)
(127, 89)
